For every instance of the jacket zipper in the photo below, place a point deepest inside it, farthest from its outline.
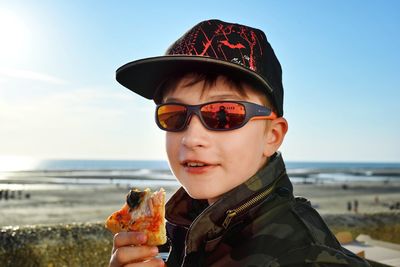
(230, 214)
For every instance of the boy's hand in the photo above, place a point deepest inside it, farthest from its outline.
(128, 251)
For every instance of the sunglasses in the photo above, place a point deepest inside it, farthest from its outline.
(215, 116)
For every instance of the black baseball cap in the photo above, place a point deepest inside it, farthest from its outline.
(216, 46)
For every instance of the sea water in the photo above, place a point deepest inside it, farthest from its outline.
(55, 174)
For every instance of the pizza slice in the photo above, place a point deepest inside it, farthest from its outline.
(144, 212)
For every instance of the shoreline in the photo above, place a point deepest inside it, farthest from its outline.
(77, 203)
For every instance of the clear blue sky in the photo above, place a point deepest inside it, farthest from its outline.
(59, 98)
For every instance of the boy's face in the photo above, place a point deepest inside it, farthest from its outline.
(230, 157)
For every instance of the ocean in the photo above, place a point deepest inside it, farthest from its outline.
(56, 174)
(65, 165)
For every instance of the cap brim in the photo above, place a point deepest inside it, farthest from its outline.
(144, 76)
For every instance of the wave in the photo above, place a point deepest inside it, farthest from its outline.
(56, 173)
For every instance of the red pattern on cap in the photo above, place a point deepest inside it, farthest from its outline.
(233, 43)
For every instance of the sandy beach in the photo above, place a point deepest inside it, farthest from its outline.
(52, 226)
(70, 204)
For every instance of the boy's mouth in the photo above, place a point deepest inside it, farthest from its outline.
(197, 167)
(194, 164)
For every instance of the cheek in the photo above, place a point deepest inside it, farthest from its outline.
(246, 146)
(171, 146)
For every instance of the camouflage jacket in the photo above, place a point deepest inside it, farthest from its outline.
(259, 223)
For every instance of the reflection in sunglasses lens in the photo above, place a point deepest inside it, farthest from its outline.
(216, 116)
(172, 117)
(223, 115)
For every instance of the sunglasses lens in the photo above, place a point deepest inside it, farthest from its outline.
(223, 115)
(171, 117)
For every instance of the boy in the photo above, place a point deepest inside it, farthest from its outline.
(220, 100)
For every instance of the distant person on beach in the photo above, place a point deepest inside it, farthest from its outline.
(236, 205)
(349, 206)
(356, 206)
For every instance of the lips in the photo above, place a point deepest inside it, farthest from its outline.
(194, 163)
(197, 166)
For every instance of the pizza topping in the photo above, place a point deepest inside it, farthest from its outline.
(158, 198)
(134, 198)
(150, 207)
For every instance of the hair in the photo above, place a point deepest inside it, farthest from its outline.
(210, 79)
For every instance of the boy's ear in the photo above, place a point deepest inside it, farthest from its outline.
(275, 134)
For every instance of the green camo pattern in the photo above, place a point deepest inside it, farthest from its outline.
(276, 230)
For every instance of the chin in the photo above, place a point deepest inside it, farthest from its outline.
(198, 193)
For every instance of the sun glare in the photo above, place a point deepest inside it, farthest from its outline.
(14, 35)
(16, 163)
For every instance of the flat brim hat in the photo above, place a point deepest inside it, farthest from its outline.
(214, 46)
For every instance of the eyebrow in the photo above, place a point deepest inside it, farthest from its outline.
(226, 97)
(171, 99)
(212, 98)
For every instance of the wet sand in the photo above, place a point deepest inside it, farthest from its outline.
(94, 204)
(372, 197)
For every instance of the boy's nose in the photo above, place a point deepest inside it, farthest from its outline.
(195, 135)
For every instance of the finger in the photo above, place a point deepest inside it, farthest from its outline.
(128, 239)
(149, 263)
(128, 254)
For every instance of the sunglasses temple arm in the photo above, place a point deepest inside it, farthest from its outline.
(272, 116)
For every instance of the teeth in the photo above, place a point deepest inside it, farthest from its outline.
(195, 164)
